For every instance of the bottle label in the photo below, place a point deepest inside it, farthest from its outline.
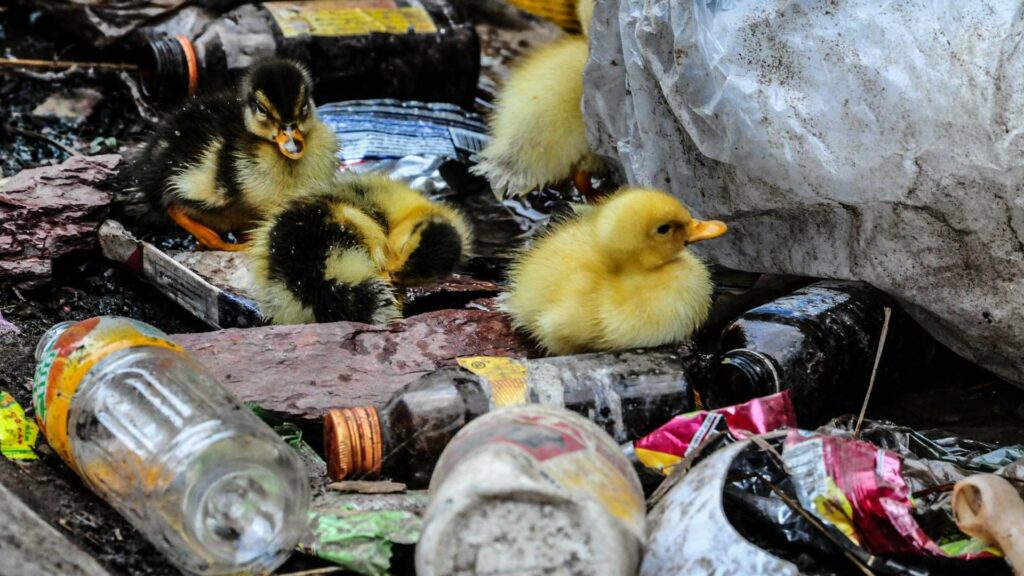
(17, 433)
(561, 12)
(66, 361)
(350, 17)
(506, 377)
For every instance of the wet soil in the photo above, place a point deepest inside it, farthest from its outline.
(26, 140)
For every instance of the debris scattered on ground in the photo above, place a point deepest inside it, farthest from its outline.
(988, 507)
(209, 302)
(49, 212)
(18, 433)
(74, 105)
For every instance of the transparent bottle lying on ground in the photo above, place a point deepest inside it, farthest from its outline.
(151, 432)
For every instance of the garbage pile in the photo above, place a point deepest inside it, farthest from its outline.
(436, 334)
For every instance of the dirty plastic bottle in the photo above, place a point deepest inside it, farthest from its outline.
(627, 394)
(151, 432)
(355, 49)
(532, 490)
(819, 342)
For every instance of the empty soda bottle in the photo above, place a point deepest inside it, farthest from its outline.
(627, 395)
(147, 429)
(532, 490)
(820, 343)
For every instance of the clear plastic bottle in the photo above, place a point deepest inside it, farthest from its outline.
(150, 431)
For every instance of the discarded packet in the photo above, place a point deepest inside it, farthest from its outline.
(859, 488)
(662, 449)
(18, 434)
(407, 140)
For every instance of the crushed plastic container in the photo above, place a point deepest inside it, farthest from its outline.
(532, 490)
(209, 484)
(627, 395)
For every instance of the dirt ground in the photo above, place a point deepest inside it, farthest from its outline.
(952, 394)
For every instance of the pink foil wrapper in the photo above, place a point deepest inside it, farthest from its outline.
(675, 439)
(874, 505)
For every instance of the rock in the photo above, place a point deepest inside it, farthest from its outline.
(75, 105)
(302, 371)
(31, 547)
(7, 330)
(48, 212)
(864, 140)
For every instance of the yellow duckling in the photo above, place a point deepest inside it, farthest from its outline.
(617, 277)
(332, 255)
(537, 133)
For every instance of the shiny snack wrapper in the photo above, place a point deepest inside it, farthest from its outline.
(859, 488)
(662, 449)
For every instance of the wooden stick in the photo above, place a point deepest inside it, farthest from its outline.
(874, 372)
(63, 64)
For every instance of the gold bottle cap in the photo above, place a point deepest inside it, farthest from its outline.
(353, 443)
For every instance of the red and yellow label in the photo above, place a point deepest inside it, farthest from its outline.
(348, 18)
(507, 377)
(66, 361)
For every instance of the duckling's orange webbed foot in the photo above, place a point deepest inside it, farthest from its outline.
(585, 186)
(206, 237)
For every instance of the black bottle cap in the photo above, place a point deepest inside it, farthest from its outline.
(169, 70)
(743, 375)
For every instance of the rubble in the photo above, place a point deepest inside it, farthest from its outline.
(48, 212)
(304, 370)
(74, 105)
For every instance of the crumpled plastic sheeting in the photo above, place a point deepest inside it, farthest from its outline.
(711, 545)
(877, 140)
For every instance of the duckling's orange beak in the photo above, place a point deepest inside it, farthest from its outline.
(291, 143)
(697, 230)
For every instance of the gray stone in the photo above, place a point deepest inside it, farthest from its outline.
(870, 140)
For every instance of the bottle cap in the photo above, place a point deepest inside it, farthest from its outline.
(170, 68)
(353, 443)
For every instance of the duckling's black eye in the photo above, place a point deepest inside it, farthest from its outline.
(260, 109)
(663, 229)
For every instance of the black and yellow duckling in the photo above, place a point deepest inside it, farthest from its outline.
(334, 254)
(224, 162)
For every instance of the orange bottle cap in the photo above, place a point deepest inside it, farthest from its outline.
(353, 443)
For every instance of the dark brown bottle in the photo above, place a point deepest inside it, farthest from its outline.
(626, 394)
(819, 342)
(424, 50)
